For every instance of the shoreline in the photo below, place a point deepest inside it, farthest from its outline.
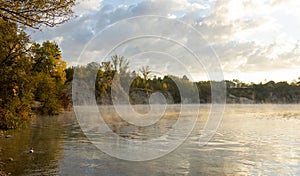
(2, 172)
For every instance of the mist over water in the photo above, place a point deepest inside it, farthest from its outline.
(251, 140)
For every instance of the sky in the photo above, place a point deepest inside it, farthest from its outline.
(250, 40)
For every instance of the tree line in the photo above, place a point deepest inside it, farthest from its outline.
(139, 85)
(34, 75)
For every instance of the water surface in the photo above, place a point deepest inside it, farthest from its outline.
(251, 140)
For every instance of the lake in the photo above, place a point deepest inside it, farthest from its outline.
(251, 140)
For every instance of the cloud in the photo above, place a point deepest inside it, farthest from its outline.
(84, 7)
(248, 36)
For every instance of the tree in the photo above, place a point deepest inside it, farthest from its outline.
(171, 87)
(16, 83)
(47, 92)
(29, 71)
(184, 77)
(69, 73)
(120, 64)
(50, 76)
(106, 66)
(48, 59)
(145, 71)
(35, 13)
(204, 89)
(13, 43)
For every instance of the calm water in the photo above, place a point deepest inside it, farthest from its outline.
(251, 140)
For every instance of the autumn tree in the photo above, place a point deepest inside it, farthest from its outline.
(50, 76)
(35, 13)
(29, 71)
(16, 83)
(48, 59)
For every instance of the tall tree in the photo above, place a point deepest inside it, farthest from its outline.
(120, 64)
(25, 68)
(48, 59)
(50, 76)
(16, 83)
(35, 13)
(145, 71)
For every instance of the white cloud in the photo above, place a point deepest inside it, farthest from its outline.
(58, 39)
(250, 36)
(86, 6)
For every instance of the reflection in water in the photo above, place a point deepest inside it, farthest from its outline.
(251, 140)
(123, 128)
(46, 137)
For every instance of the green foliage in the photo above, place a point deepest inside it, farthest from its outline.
(29, 71)
(204, 89)
(69, 73)
(28, 74)
(177, 90)
(140, 86)
(172, 88)
(50, 76)
(16, 93)
(14, 113)
(47, 93)
(47, 59)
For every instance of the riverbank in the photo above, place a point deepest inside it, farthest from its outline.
(2, 172)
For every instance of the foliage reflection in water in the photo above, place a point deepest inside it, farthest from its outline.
(251, 140)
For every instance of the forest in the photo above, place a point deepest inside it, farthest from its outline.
(35, 78)
(32, 74)
(139, 84)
